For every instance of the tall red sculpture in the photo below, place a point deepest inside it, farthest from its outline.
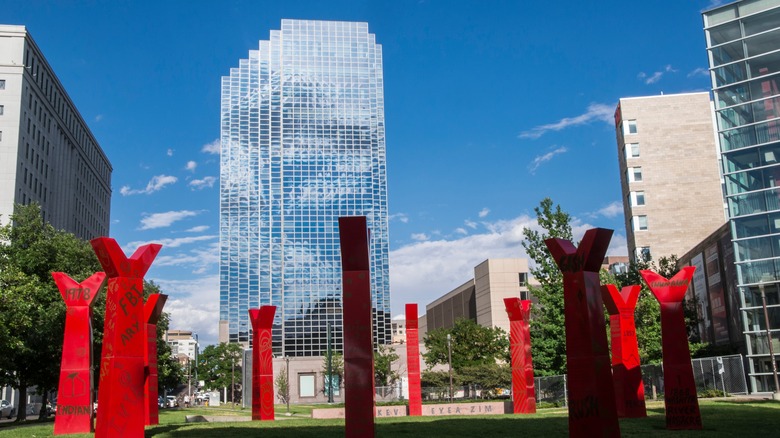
(152, 312)
(74, 394)
(626, 371)
(121, 388)
(262, 363)
(592, 410)
(413, 360)
(358, 339)
(523, 391)
(680, 396)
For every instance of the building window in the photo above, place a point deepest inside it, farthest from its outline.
(306, 385)
(2, 84)
(643, 253)
(523, 279)
(524, 295)
(1, 109)
(637, 199)
(634, 174)
(629, 127)
(639, 223)
(632, 150)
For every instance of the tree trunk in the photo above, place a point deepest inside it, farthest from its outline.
(44, 401)
(21, 409)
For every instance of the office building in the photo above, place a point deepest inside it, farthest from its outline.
(183, 343)
(480, 299)
(48, 155)
(302, 143)
(743, 47)
(668, 158)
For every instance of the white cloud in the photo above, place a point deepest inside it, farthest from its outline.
(700, 71)
(170, 243)
(170, 152)
(595, 112)
(155, 184)
(484, 212)
(441, 265)
(193, 305)
(211, 148)
(656, 76)
(402, 217)
(470, 224)
(420, 237)
(541, 159)
(461, 231)
(161, 220)
(191, 165)
(612, 210)
(200, 184)
(98, 117)
(198, 229)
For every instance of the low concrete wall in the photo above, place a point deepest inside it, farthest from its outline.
(441, 409)
(215, 418)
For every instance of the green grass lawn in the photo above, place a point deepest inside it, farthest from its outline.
(721, 418)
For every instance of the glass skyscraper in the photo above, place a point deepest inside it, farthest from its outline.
(743, 42)
(302, 143)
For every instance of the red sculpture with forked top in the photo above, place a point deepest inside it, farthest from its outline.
(523, 391)
(413, 360)
(262, 363)
(152, 313)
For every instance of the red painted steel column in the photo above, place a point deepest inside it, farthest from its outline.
(121, 388)
(413, 360)
(358, 338)
(523, 391)
(592, 409)
(680, 396)
(74, 393)
(262, 363)
(626, 371)
(152, 312)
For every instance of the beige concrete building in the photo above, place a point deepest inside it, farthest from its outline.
(669, 172)
(481, 298)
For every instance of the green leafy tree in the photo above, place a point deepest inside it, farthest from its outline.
(548, 332)
(219, 366)
(489, 376)
(282, 387)
(336, 370)
(30, 249)
(472, 344)
(384, 374)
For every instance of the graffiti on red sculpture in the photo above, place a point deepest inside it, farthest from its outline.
(592, 410)
(122, 373)
(358, 337)
(523, 391)
(626, 371)
(152, 312)
(680, 395)
(413, 360)
(74, 394)
(262, 363)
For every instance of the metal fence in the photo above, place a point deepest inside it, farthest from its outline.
(714, 376)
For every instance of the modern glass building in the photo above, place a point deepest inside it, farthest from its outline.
(302, 143)
(743, 43)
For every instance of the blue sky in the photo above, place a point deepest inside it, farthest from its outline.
(490, 107)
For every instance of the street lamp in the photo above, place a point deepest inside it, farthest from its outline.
(449, 361)
(287, 396)
(776, 394)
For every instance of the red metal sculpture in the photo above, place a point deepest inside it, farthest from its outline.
(358, 340)
(262, 363)
(680, 396)
(152, 312)
(626, 373)
(74, 395)
(413, 360)
(121, 388)
(592, 410)
(523, 391)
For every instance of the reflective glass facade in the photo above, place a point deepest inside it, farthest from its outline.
(743, 43)
(302, 143)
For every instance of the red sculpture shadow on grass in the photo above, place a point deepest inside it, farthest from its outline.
(592, 410)
(74, 393)
(152, 313)
(122, 374)
(680, 396)
(262, 363)
(626, 371)
(358, 337)
(523, 391)
(413, 360)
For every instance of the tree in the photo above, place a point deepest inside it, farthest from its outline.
(472, 344)
(384, 374)
(282, 387)
(336, 371)
(548, 331)
(30, 249)
(489, 376)
(220, 367)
